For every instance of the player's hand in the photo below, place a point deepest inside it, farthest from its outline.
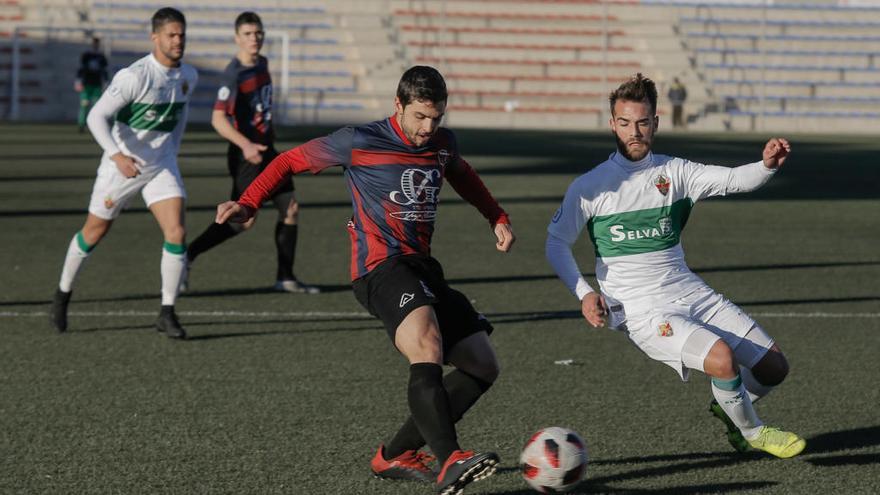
(78, 86)
(594, 309)
(253, 152)
(126, 165)
(231, 211)
(775, 152)
(504, 234)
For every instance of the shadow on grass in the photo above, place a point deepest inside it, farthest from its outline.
(588, 487)
(844, 440)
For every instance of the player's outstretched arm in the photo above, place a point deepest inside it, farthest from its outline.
(230, 211)
(775, 152)
(505, 236)
(594, 309)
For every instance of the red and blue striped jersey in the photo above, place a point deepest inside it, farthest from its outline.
(246, 96)
(394, 186)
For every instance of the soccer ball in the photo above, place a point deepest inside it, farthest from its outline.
(554, 460)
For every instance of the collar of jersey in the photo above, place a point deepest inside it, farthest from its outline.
(167, 70)
(399, 131)
(626, 164)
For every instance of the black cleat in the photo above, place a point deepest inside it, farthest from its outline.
(464, 467)
(58, 314)
(168, 323)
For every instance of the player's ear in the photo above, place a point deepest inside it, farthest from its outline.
(398, 106)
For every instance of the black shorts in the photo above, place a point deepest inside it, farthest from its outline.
(401, 284)
(244, 172)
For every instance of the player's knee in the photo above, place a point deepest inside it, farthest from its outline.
(772, 369)
(490, 371)
(721, 362)
(292, 214)
(241, 227)
(92, 234)
(175, 234)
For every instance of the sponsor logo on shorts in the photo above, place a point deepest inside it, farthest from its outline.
(662, 184)
(664, 329)
(108, 202)
(406, 298)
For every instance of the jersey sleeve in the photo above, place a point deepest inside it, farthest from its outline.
(704, 181)
(228, 91)
(564, 229)
(572, 215)
(122, 90)
(464, 179)
(313, 156)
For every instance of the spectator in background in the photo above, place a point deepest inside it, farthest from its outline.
(90, 80)
(677, 95)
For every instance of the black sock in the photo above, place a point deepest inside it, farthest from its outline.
(429, 406)
(463, 390)
(166, 309)
(215, 234)
(285, 245)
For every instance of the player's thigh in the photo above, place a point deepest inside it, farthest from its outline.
(475, 355)
(165, 196)
(113, 191)
(391, 291)
(418, 336)
(458, 318)
(748, 340)
(674, 339)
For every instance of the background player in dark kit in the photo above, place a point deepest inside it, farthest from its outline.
(246, 98)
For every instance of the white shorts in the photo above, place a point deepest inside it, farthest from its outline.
(113, 191)
(682, 333)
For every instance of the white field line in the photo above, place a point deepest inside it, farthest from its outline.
(363, 315)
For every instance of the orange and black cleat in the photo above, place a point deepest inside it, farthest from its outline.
(463, 468)
(412, 465)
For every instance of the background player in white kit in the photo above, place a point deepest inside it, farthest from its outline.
(148, 101)
(634, 206)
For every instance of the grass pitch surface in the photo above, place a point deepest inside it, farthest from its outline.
(279, 393)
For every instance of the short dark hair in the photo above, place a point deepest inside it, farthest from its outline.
(637, 88)
(165, 15)
(421, 82)
(248, 17)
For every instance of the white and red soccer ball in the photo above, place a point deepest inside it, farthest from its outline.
(554, 460)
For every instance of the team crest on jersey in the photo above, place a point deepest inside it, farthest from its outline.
(664, 329)
(108, 202)
(443, 157)
(662, 184)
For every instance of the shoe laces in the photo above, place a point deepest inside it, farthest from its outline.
(423, 457)
(774, 436)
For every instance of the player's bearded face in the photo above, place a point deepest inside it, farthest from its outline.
(170, 41)
(419, 119)
(633, 124)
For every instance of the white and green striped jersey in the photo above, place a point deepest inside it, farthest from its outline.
(148, 102)
(634, 213)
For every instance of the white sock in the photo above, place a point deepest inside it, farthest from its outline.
(734, 400)
(73, 261)
(755, 389)
(172, 268)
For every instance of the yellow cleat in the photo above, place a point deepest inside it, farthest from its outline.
(782, 444)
